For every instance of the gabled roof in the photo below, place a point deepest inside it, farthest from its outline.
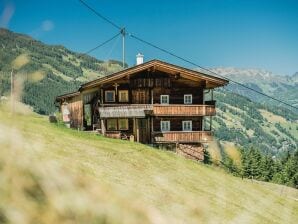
(162, 66)
(67, 95)
(211, 81)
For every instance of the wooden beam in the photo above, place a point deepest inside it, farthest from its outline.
(138, 130)
(148, 129)
(103, 127)
(152, 96)
(101, 96)
(151, 130)
(134, 129)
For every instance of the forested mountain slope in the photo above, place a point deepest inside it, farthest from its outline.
(239, 120)
(45, 70)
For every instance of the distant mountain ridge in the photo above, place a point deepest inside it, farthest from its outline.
(281, 87)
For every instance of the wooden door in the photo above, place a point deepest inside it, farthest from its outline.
(143, 130)
(140, 96)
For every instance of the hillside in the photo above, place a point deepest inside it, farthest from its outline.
(45, 71)
(246, 123)
(50, 174)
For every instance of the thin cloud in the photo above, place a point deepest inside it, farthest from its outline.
(6, 15)
(47, 25)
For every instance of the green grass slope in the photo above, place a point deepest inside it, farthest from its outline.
(50, 174)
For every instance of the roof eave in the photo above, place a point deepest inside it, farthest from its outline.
(67, 95)
(96, 82)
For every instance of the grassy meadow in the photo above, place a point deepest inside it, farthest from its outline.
(50, 174)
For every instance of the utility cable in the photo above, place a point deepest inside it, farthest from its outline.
(100, 45)
(208, 70)
(100, 15)
(181, 58)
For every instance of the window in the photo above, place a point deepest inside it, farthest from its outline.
(123, 124)
(187, 99)
(123, 95)
(110, 96)
(165, 126)
(164, 99)
(187, 125)
(112, 124)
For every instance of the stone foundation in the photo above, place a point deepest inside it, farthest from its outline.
(190, 151)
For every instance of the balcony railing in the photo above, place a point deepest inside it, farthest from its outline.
(183, 110)
(140, 110)
(182, 136)
(125, 111)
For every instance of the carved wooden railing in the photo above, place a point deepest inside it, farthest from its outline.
(182, 136)
(130, 110)
(183, 110)
(160, 109)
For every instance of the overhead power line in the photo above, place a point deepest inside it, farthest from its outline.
(121, 29)
(208, 70)
(182, 58)
(99, 15)
(100, 45)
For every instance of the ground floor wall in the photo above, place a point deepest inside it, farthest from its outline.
(176, 123)
(138, 129)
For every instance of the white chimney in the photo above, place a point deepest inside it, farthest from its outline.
(140, 59)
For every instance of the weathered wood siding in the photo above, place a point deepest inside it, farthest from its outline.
(176, 95)
(140, 96)
(75, 107)
(130, 126)
(183, 137)
(183, 110)
(145, 85)
(160, 83)
(176, 123)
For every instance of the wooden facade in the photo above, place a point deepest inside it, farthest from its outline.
(151, 103)
(74, 107)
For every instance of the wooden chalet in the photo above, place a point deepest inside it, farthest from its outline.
(152, 103)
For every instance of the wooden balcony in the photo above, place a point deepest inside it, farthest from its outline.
(125, 111)
(182, 136)
(183, 110)
(140, 110)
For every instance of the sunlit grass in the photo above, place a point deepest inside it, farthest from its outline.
(50, 174)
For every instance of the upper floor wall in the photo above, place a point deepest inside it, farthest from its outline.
(152, 88)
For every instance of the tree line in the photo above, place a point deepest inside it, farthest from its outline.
(257, 166)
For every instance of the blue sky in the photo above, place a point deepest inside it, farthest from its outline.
(212, 33)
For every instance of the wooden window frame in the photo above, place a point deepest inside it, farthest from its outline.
(119, 94)
(127, 125)
(183, 122)
(168, 99)
(185, 96)
(106, 94)
(169, 125)
(108, 129)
